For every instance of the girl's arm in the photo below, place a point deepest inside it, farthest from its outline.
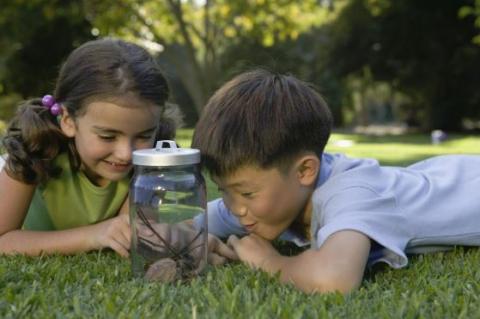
(15, 198)
(124, 210)
(338, 265)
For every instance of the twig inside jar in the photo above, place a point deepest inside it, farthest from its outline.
(182, 260)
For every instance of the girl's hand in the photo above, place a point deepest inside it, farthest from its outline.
(253, 250)
(182, 236)
(113, 233)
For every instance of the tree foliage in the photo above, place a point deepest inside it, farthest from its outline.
(194, 35)
(421, 47)
(427, 51)
(469, 11)
(36, 35)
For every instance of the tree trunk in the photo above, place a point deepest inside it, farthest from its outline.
(191, 78)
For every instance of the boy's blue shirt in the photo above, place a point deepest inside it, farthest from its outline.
(428, 206)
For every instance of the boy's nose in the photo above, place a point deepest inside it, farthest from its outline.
(240, 211)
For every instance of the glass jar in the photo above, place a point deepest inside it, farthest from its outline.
(166, 192)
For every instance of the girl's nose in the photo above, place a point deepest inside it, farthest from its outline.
(124, 151)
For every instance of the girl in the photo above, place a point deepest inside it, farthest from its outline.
(64, 185)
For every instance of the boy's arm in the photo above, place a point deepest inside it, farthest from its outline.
(338, 265)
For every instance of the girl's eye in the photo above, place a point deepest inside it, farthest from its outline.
(107, 137)
(145, 137)
(247, 194)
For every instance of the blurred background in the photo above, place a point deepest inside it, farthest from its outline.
(400, 63)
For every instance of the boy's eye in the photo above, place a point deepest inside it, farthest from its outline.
(145, 137)
(247, 194)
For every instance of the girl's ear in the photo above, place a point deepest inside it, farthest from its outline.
(307, 169)
(67, 123)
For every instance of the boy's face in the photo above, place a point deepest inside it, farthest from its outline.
(265, 201)
(107, 134)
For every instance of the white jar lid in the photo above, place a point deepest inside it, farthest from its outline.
(166, 153)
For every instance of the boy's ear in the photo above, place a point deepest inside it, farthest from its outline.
(67, 123)
(308, 168)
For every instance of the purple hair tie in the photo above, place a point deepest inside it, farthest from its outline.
(49, 102)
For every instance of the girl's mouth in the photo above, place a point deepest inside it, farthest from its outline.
(119, 166)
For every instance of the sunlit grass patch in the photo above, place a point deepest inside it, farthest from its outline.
(401, 150)
(101, 285)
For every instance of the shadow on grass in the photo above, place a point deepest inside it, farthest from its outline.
(422, 265)
(286, 248)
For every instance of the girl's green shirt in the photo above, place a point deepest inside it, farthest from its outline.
(71, 200)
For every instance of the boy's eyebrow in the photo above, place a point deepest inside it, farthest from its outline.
(227, 185)
(240, 184)
(234, 184)
(110, 130)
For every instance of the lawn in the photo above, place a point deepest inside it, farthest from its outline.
(100, 285)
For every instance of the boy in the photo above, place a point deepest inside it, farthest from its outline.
(262, 138)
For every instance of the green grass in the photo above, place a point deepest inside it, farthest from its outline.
(100, 284)
(402, 150)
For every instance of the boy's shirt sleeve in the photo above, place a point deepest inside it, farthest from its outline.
(425, 207)
(221, 222)
(362, 209)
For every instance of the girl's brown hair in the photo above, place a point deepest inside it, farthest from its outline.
(100, 69)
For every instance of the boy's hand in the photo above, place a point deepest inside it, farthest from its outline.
(338, 265)
(253, 250)
(218, 252)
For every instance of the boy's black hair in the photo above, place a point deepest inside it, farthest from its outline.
(261, 118)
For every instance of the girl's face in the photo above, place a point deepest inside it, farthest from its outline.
(265, 201)
(107, 134)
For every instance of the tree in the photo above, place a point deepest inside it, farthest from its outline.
(469, 11)
(36, 36)
(421, 47)
(194, 35)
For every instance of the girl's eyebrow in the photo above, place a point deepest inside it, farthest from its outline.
(111, 130)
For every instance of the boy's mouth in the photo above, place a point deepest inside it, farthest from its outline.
(249, 227)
